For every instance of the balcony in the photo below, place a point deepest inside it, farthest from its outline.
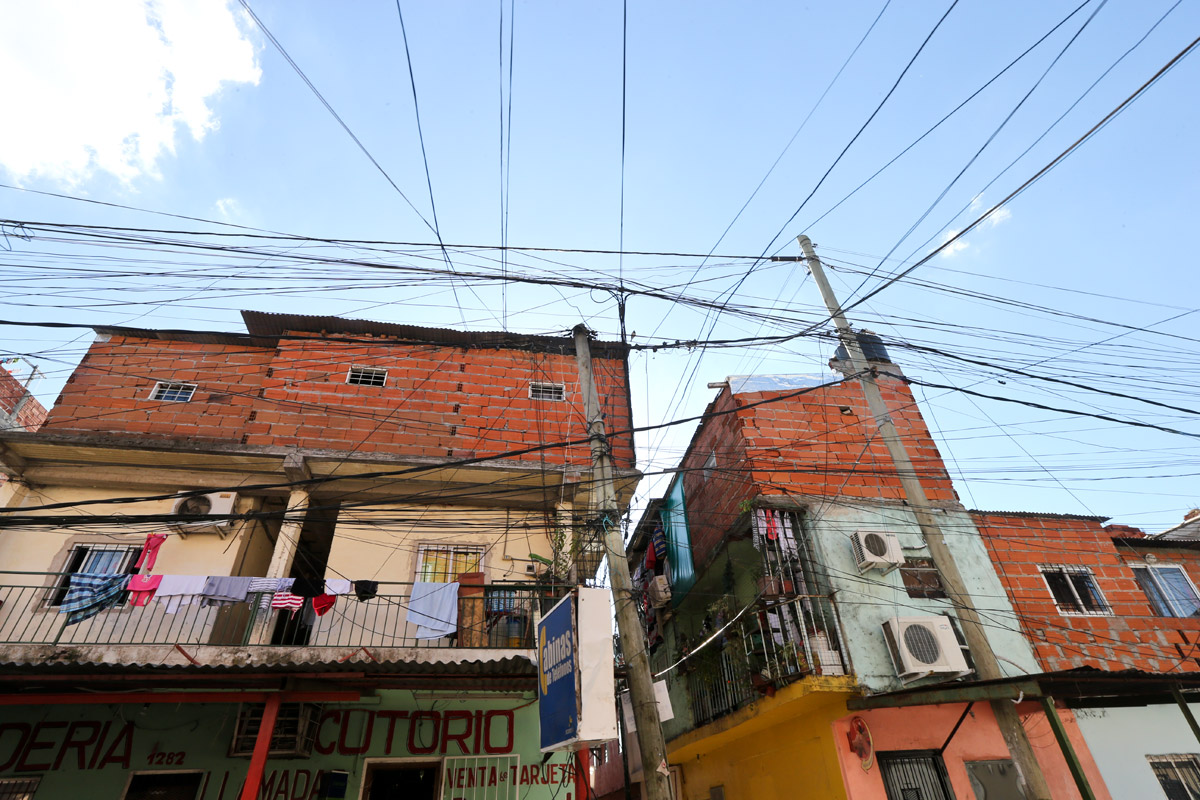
(493, 621)
(775, 644)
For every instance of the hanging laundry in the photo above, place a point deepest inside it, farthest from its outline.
(659, 540)
(323, 603)
(150, 551)
(142, 589)
(288, 601)
(308, 587)
(224, 590)
(179, 590)
(433, 607)
(365, 590)
(88, 594)
(337, 586)
(265, 588)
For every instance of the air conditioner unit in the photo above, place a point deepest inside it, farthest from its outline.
(199, 505)
(876, 550)
(659, 590)
(924, 646)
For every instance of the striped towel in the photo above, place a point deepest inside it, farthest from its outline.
(90, 593)
(265, 588)
(287, 600)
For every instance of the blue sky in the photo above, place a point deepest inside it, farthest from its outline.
(187, 108)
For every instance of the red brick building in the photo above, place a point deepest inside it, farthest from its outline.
(19, 410)
(1100, 596)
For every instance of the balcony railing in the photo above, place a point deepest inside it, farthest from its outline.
(489, 616)
(772, 645)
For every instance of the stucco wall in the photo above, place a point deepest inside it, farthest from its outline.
(1121, 738)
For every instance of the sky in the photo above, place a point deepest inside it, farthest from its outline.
(682, 128)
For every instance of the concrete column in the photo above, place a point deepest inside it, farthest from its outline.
(13, 493)
(281, 559)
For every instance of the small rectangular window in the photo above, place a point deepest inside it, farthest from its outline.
(1178, 774)
(94, 560)
(173, 392)
(1169, 590)
(1075, 591)
(921, 578)
(295, 729)
(547, 391)
(444, 563)
(18, 788)
(366, 376)
(164, 785)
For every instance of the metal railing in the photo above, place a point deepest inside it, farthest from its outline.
(488, 616)
(773, 645)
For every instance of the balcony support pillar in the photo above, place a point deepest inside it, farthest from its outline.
(281, 560)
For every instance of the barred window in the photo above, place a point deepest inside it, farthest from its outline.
(444, 563)
(18, 788)
(1169, 590)
(95, 560)
(173, 392)
(366, 376)
(1178, 774)
(294, 734)
(539, 390)
(1075, 591)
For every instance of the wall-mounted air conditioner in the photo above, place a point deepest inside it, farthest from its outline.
(876, 550)
(201, 505)
(924, 646)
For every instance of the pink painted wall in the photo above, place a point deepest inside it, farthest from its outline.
(979, 739)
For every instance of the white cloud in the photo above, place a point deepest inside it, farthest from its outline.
(1001, 214)
(955, 247)
(976, 202)
(229, 208)
(106, 86)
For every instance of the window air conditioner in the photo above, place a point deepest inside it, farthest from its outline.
(659, 590)
(199, 505)
(924, 646)
(876, 550)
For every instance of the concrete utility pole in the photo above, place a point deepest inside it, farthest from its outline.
(986, 665)
(633, 639)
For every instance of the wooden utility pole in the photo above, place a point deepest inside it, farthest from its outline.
(633, 639)
(986, 665)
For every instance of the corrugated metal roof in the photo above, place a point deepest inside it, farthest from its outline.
(741, 384)
(458, 663)
(261, 323)
(1036, 514)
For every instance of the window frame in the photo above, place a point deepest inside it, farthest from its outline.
(79, 552)
(913, 570)
(451, 549)
(9, 786)
(1172, 759)
(1161, 589)
(135, 774)
(167, 391)
(1081, 610)
(548, 391)
(362, 371)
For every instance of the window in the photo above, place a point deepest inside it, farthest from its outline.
(547, 391)
(18, 788)
(1179, 775)
(96, 560)
(366, 376)
(295, 729)
(164, 786)
(1168, 590)
(922, 579)
(1075, 591)
(444, 563)
(173, 392)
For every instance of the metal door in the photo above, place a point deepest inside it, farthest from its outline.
(914, 775)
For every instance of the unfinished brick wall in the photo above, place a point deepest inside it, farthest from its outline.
(802, 444)
(1132, 637)
(438, 402)
(31, 415)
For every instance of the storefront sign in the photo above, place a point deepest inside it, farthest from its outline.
(558, 693)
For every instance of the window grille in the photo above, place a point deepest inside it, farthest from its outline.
(366, 376)
(164, 786)
(444, 563)
(555, 392)
(295, 729)
(1178, 774)
(95, 560)
(1169, 590)
(18, 788)
(173, 392)
(1075, 591)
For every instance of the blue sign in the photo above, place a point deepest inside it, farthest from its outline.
(558, 695)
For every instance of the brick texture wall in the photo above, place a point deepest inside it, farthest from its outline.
(439, 401)
(822, 443)
(1132, 637)
(32, 413)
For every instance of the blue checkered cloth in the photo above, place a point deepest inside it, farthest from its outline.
(89, 594)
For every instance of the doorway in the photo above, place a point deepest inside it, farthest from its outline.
(914, 775)
(400, 782)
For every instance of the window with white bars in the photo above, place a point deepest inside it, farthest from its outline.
(173, 392)
(366, 376)
(1169, 590)
(1075, 591)
(19, 788)
(540, 390)
(1178, 774)
(295, 729)
(444, 563)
